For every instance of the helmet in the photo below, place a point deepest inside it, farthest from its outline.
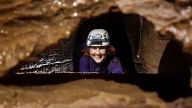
(98, 37)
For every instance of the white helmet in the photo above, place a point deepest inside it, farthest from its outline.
(98, 37)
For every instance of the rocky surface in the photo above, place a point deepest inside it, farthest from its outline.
(169, 19)
(28, 27)
(52, 20)
(79, 94)
(86, 93)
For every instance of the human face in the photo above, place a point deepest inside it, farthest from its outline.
(98, 54)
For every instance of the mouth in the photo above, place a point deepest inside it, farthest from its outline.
(98, 58)
(98, 55)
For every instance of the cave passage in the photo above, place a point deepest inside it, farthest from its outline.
(125, 33)
(113, 23)
(169, 85)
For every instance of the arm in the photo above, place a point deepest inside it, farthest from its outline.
(115, 66)
(84, 64)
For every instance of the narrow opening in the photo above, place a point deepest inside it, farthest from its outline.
(133, 36)
(171, 82)
(113, 23)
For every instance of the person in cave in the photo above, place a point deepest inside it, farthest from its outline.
(99, 54)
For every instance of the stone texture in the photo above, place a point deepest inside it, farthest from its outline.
(168, 18)
(27, 27)
(81, 94)
(86, 93)
(172, 22)
(39, 26)
(53, 20)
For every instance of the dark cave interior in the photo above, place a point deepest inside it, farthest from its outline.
(173, 78)
(113, 23)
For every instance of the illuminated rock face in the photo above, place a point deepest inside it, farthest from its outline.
(30, 27)
(81, 94)
(27, 27)
(86, 93)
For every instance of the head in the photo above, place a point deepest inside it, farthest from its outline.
(98, 42)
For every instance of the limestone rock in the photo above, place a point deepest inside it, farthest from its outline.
(81, 94)
(28, 27)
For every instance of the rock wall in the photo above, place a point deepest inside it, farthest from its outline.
(26, 29)
(29, 27)
(84, 94)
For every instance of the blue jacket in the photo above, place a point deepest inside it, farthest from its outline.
(109, 65)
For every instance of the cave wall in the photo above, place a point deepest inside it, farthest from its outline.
(145, 43)
(27, 29)
(151, 48)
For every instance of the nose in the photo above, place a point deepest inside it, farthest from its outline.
(97, 51)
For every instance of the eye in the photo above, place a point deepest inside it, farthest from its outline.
(93, 47)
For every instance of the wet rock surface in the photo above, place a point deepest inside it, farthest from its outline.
(53, 20)
(39, 24)
(167, 17)
(170, 19)
(28, 27)
(57, 60)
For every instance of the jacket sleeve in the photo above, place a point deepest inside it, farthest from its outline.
(84, 64)
(115, 66)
